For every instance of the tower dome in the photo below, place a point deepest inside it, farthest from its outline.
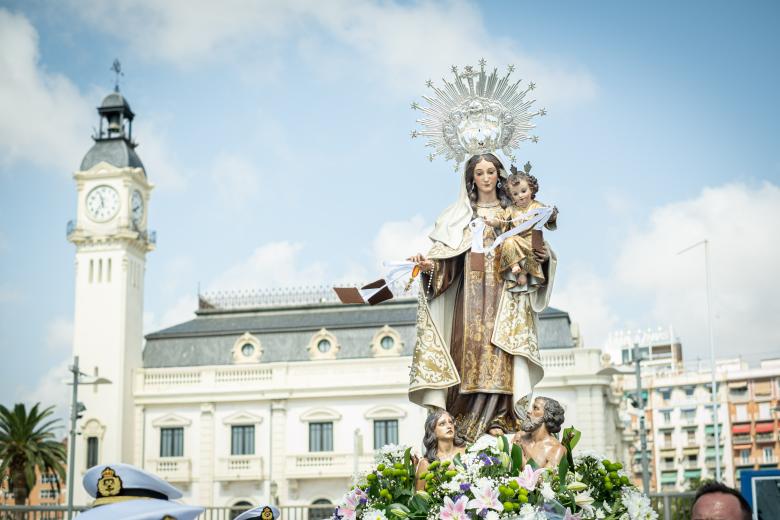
(114, 139)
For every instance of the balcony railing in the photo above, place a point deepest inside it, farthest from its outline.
(325, 464)
(767, 460)
(765, 437)
(691, 464)
(172, 469)
(742, 439)
(740, 461)
(239, 467)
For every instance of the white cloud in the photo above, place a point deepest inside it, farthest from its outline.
(44, 119)
(51, 390)
(396, 43)
(275, 264)
(161, 167)
(182, 310)
(737, 220)
(585, 298)
(59, 334)
(401, 239)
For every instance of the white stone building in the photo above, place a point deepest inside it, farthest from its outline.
(280, 394)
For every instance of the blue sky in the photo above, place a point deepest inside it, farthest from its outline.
(278, 138)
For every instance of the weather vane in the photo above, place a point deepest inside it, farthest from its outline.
(117, 68)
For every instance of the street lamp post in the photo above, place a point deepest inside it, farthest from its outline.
(640, 402)
(711, 334)
(75, 409)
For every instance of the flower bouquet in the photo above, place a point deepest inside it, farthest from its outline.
(492, 482)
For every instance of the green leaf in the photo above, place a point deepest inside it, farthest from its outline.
(571, 436)
(517, 460)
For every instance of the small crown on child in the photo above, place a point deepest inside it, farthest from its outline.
(526, 169)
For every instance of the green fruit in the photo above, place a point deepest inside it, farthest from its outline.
(508, 506)
(624, 480)
(385, 493)
(513, 484)
(523, 499)
(429, 476)
(608, 486)
(602, 471)
(380, 467)
(523, 492)
(613, 475)
(434, 464)
(398, 465)
(371, 477)
(445, 463)
(450, 473)
(388, 472)
(617, 466)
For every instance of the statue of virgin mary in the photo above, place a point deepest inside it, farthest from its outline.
(476, 353)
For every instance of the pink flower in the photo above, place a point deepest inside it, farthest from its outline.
(454, 510)
(485, 497)
(529, 477)
(351, 503)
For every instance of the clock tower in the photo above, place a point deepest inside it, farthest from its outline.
(111, 236)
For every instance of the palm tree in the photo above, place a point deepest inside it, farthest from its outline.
(27, 442)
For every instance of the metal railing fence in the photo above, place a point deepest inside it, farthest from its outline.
(303, 512)
(670, 506)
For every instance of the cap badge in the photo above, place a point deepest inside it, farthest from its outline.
(109, 484)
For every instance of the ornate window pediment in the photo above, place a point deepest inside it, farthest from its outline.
(93, 428)
(320, 415)
(171, 420)
(385, 412)
(387, 342)
(247, 349)
(242, 417)
(323, 345)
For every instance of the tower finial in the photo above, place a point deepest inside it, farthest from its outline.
(117, 68)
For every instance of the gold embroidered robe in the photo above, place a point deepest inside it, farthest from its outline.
(476, 353)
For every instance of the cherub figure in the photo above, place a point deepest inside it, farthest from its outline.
(517, 252)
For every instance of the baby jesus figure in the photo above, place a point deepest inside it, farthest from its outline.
(518, 261)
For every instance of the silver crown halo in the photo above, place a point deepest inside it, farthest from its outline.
(477, 113)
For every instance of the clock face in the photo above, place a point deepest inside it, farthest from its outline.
(102, 203)
(137, 207)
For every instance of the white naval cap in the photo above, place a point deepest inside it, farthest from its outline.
(263, 511)
(125, 491)
(142, 509)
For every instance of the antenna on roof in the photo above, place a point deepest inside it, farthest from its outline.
(117, 68)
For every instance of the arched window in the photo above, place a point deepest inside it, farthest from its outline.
(319, 512)
(238, 508)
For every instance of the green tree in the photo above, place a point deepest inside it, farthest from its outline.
(27, 442)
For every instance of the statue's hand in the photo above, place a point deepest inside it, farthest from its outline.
(425, 264)
(554, 215)
(541, 256)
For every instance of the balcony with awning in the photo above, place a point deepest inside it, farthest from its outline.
(765, 427)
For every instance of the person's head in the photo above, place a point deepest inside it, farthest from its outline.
(547, 411)
(483, 174)
(439, 426)
(716, 501)
(522, 188)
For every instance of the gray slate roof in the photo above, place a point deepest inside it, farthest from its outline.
(285, 332)
(116, 152)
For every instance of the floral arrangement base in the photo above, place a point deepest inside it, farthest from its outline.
(491, 482)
